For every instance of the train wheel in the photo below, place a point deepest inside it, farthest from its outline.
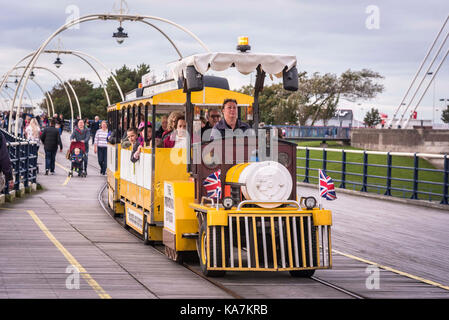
(145, 232)
(302, 273)
(124, 222)
(202, 244)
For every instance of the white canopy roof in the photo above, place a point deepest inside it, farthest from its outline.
(245, 63)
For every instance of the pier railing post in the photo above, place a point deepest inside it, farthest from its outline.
(415, 178)
(306, 172)
(27, 163)
(343, 170)
(365, 172)
(324, 159)
(445, 180)
(389, 165)
(17, 166)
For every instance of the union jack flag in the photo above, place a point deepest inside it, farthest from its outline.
(327, 189)
(213, 185)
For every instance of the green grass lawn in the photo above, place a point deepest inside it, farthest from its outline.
(334, 170)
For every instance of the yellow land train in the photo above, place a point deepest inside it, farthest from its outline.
(258, 223)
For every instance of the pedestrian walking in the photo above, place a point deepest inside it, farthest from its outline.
(60, 121)
(5, 165)
(101, 146)
(94, 127)
(33, 134)
(82, 134)
(51, 139)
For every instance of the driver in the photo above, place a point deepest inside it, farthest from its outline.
(230, 121)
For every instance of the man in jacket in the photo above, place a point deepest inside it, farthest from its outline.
(82, 134)
(95, 126)
(51, 139)
(230, 122)
(5, 162)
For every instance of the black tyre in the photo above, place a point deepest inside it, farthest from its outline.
(124, 222)
(302, 273)
(145, 232)
(202, 245)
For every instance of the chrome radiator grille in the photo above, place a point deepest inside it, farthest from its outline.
(268, 243)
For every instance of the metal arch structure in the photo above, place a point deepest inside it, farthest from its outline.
(45, 97)
(4, 102)
(68, 95)
(78, 54)
(65, 88)
(10, 97)
(51, 100)
(98, 75)
(93, 17)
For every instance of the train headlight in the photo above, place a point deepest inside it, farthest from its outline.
(228, 203)
(310, 203)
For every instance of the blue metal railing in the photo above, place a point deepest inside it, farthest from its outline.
(393, 180)
(317, 133)
(23, 155)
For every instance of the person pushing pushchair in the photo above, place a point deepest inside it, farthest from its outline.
(81, 134)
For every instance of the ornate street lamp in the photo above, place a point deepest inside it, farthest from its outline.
(120, 36)
(58, 62)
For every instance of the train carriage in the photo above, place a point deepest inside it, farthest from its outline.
(257, 222)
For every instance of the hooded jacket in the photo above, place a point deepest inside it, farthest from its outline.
(5, 162)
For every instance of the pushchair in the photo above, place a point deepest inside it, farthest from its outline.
(77, 157)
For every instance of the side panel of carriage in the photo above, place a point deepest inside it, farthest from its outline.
(136, 190)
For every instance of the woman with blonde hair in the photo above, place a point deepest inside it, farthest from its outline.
(33, 132)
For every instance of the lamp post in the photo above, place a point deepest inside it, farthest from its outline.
(445, 105)
(433, 103)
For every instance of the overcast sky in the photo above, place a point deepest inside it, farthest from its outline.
(325, 35)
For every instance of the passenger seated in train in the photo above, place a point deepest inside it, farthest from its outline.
(177, 139)
(141, 138)
(163, 127)
(137, 148)
(213, 117)
(171, 122)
